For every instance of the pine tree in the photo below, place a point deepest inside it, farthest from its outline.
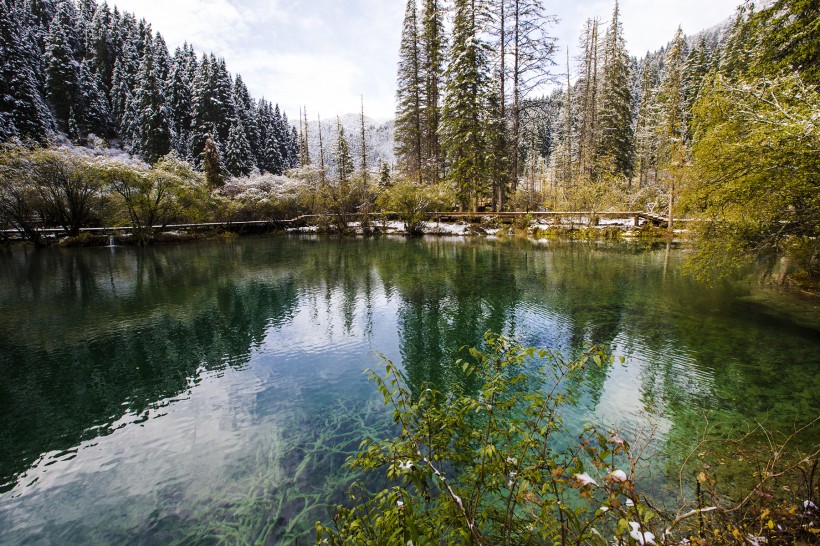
(151, 135)
(62, 65)
(588, 100)
(162, 58)
(791, 40)
(408, 131)
(204, 115)
(737, 55)
(341, 155)
(464, 139)
(280, 137)
(531, 50)
(672, 129)
(293, 146)
(432, 46)
(226, 110)
(211, 163)
(246, 113)
(23, 112)
(95, 114)
(268, 157)
(101, 49)
(364, 147)
(616, 143)
(238, 154)
(646, 142)
(696, 68)
(178, 99)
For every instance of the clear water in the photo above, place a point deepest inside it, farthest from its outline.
(211, 392)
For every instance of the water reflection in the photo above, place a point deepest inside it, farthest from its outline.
(216, 388)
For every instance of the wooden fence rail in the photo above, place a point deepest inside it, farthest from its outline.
(636, 217)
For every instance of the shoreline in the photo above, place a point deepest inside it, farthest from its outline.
(533, 230)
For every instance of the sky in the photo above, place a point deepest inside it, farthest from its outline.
(326, 55)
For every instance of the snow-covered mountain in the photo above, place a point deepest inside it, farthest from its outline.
(379, 136)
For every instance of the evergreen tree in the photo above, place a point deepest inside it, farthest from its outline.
(238, 154)
(226, 110)
(737, 55)
(616, 144)
(211, 163)
(696, 68)
(178, 99)
(246, 114)
(162, 58)
(268, 158)
(93, 105)
(23, 113)
(408, 131)
(791, 39)
(152, 133)
(62, 65)
(531, 49)
(293, 154)
(341, 155)
(204, 114)
(646, 143)
(671, 132)
(464, 139)
(432, 46)
(101, 50)
(588, 100)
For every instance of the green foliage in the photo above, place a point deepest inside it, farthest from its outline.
(480, 464)
(152, 198)
(211, 164)
(754, 184)
(488, 462)
(50, 187)
(410, 201)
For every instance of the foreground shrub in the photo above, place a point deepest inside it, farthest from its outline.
(490, 462)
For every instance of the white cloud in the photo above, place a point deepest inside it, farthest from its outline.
(326, 53)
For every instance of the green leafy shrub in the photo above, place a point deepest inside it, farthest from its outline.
(490, 462)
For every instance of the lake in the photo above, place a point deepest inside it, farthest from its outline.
(212, 391)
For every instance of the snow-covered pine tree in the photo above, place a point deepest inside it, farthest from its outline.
(178, 99)
(204, 115)
(284, 137)
(212, 164)
(95, 115)
(741, 45)
(408, 131)
(671, 132)
(697, 66)
(238, 154)
(62, 65)
(464, 138)
(246, 113)
(101, 48)
(151, 133)
(341, 155)
(23, 113)
(615, 152)
(162, 58)
(293, 146)
(646, 144)
(226, 110)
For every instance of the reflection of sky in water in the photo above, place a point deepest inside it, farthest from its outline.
(227, 440)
